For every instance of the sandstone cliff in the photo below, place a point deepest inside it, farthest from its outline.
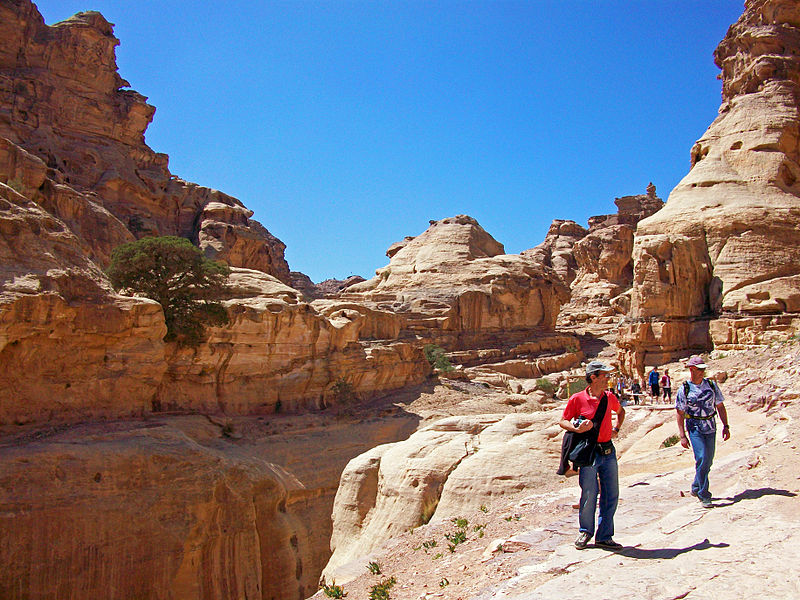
(62, 100)
(79, 181)
(719, 264)
(596, 263)
(454, 286)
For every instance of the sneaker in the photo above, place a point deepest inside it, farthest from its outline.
(706, 502)
(608, 544)
(694, 493)
(583, 540)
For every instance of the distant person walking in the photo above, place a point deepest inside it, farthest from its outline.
(666, 387)
(697, 403)
(636, 391)
(602, 475)
(652, 381)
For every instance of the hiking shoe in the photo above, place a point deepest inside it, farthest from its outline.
(706, 502)
(583, 540)
(608, 544)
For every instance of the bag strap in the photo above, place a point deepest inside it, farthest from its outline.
(600, 413)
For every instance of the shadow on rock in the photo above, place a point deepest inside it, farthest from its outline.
(753, 495)
(661, 553)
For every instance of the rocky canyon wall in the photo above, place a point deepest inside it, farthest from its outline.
(596, 263)
(718, 266)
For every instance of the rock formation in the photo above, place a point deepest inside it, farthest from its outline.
(454, 282)
(179, 507)
(452, 466)
(596, 263)
(719, 264)
(454, 286)
(62, 100)
(79, 181)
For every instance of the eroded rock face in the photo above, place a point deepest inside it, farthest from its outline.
(596, 263)
(454, 281)
(68, 343)
(62, 100)
(725, 245)
(451, 466)
(149, 511)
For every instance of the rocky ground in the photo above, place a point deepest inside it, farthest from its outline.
(522, 547)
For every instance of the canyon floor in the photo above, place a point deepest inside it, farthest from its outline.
(522, 547)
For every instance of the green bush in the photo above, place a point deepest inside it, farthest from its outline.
(575, 386)
(374, 567)
(670, 441)
(437, 358)
(343, 391)
(333, 590)
(174, 273)
(380, 591)
(545, 385)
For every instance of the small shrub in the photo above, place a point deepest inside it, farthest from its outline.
(437, 556)
(227, 430)
(380, 591)
(343, 391)
(444, 582)
(484, 509)
(545, 385)
(428, 544)
(459, 522)
(670, 441)
(374, 568)
(573, 387)
(437, 358)
(333, 590)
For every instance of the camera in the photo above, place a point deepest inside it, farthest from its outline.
(578, 420)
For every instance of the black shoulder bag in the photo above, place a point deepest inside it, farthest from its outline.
(582, 452)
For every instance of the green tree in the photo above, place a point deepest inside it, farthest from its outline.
(436, 356)
(174, 273)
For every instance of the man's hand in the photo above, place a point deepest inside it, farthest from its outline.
(684, 441)
(585, 426)
(726, 434)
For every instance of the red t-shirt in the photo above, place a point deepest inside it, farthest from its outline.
(582, 404)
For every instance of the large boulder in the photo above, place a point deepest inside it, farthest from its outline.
(724, 247)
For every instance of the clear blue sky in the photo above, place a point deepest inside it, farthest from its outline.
(346, 126)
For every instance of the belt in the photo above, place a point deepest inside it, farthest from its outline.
(708, 418)
(605, 447)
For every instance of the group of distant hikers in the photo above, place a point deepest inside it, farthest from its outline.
(590, 429)
(659, 388)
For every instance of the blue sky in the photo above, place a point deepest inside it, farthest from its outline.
(346, 126)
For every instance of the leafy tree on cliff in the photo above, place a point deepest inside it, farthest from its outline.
(174, 273)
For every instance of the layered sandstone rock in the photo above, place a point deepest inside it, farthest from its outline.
(454, 286)
(596, 263)
(725, 245)
(68, 344)
(80, 182)
(279, 352)
(451, 466)
(62, 100)
(454, 283)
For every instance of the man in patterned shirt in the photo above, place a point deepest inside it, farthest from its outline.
(697, 403)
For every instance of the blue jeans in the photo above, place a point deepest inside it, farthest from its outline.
(703, 446)
(602, 477)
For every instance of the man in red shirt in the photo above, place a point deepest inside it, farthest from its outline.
(601, 476)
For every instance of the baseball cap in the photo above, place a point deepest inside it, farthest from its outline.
(696, 361)
(596, 367)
